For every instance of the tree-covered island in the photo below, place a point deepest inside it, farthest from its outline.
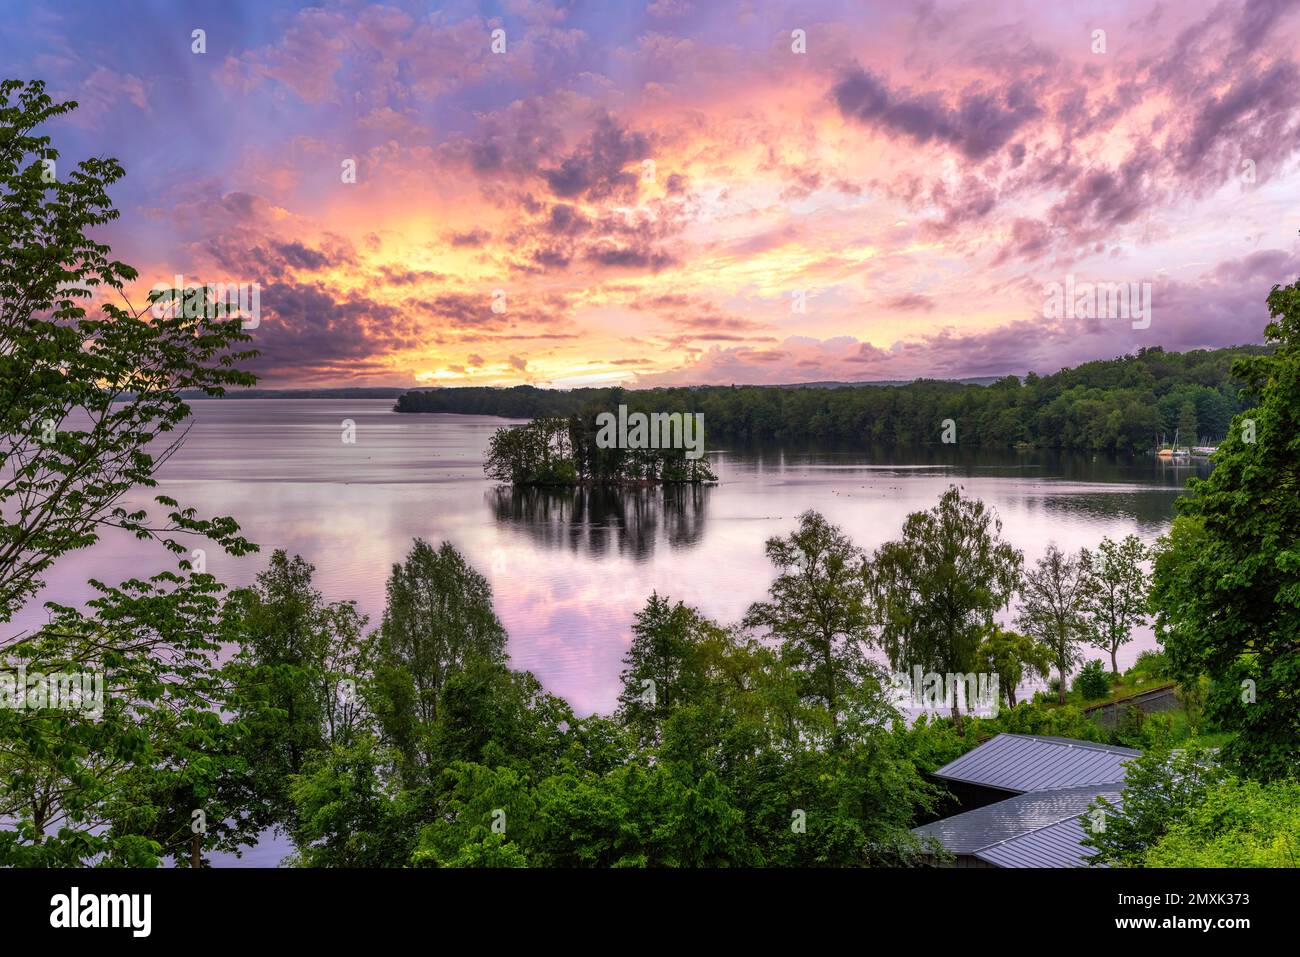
(598, 448)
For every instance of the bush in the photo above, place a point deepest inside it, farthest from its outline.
(1236, 824)
(1157, 730)
(1035, 718)
(1130, 728)
(1093, 681)
(1193, 695)
(1161, 788)
(1150, 664)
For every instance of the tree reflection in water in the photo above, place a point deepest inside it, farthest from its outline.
(598, 520)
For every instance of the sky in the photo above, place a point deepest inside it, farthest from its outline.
(689, 192)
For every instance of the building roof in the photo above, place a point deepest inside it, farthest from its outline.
(1057, 845)
(1021, 763)
(1039, 829)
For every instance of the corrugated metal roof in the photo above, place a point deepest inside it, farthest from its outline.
(1022, 763)
(1022, 831)
(1057, 845)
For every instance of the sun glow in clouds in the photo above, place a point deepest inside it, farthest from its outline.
(640, 198)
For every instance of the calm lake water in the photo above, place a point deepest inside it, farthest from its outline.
(569, 569)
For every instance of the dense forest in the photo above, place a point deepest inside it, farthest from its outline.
(1115, 405)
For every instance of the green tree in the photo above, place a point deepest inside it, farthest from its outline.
(438, 617)
(1226, 584)
(939, 586)
(349, 811)
(486, 820)
(89, 406)
(121, 786)
(295, 675)
(1091, 682)
(493, 715)
(1187, 424)
(1009, 655)
(1115, 600)
(1051, 607)
(1161, 787)
(665, 664)
(818, 610)
(639, 816)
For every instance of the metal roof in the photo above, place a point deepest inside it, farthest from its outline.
(1057, 845)
(1040, 829)
(1023, 762)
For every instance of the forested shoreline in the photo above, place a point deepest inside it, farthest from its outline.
(1117, 405)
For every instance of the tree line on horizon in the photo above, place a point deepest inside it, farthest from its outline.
(1117, 405)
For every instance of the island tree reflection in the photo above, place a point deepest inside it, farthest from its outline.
(601, 520)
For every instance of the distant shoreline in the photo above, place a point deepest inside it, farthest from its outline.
(359, 393)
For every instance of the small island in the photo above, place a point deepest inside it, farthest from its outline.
(571, 450)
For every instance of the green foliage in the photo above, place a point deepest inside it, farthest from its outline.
(673, 648)
(1037, 718)
(489, 713)
(439, 616)
(89, 405)
(1160, 788)
(1226, 585)
(1236, 823)
(538, 453)
(1130, 726)
(1009, 655)
(638, 816)
(937, 588)
(1051, 608)
(564, 451)
(1193, 695)
(1092, 681)
(1115, 598)
(818, 611)
(1117, 405)
(293, 677)
(348, 812)
(119, 788)
(479, 806)
(1149, 665)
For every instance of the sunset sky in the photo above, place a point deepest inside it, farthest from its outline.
(650, 190)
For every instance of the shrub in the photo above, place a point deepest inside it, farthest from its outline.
(1092, 681)
(1236, 824)
(1150, 664)
(1193, 695)
(1129, 729)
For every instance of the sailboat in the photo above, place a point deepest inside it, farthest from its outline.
(1173, 453)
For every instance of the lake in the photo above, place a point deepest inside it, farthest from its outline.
(569, 568)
